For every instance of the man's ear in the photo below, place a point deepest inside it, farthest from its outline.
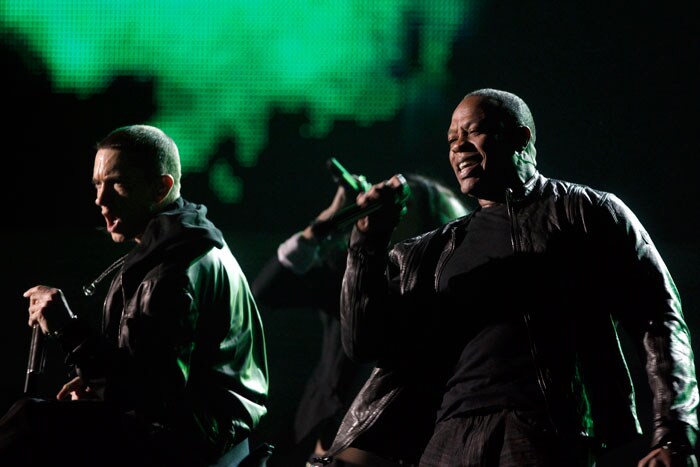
(165, 184)
(522, 137)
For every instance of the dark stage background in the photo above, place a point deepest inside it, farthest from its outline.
(614, 92)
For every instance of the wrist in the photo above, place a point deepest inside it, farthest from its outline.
(676, 449)
(59, 320)
(60, 330)
(298, 253)
(675, 437)
(308, 235)
(371, 242)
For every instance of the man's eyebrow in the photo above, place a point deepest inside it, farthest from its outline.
(452, 131)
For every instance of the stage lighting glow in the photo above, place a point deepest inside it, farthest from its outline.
(224, 66)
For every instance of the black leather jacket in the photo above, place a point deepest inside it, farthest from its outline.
(584, 266)
(182, 344)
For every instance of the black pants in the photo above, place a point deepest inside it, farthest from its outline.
(37, 432)
(503, 438)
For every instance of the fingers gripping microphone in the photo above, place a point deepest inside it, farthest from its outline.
(350, 214)
(35, 364)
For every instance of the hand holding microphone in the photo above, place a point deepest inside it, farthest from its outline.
(48, 308)
(349, 186)
(389, 196)
(48, 313)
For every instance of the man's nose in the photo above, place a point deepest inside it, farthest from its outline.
(100, 196)
(462, 144)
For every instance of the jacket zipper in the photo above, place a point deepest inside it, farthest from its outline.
(443, 258)
(517, 248)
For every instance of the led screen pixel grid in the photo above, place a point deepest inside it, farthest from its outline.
(221, 67)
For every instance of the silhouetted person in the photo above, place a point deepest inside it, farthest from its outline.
(177, 376)
(496, 335)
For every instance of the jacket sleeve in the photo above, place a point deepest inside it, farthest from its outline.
(365, 299)
(228, 379)
(651, 312)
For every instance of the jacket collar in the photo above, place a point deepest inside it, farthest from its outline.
(182, 229)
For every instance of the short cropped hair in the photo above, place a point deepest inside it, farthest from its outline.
(149, 149)
(511, 108)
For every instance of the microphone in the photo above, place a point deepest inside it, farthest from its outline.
(350, 214)
(352, 183)
(35, 364)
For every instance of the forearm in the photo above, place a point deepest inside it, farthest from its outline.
(364, 300)
(299, 252)
(670, 361)
(671, 372)
(653, 313)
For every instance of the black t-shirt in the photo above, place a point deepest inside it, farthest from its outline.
(487, 332)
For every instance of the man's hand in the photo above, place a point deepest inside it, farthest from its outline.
(47, 308)
(76, 389)
(392, 195)
(661, 457)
